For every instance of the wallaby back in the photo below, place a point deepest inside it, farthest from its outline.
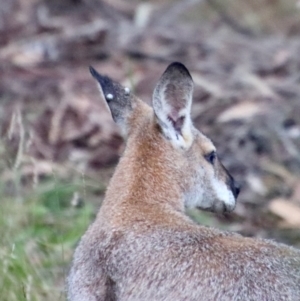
(142, 245)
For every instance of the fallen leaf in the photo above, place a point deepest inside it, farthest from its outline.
(289, 212)
(296, 194)
(241, 111)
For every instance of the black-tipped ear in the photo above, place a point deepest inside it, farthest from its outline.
(172, 100)
(177, 67)
(118, 98)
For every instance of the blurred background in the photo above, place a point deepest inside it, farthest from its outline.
(59, 146)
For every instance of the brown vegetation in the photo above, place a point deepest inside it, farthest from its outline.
(245, 62)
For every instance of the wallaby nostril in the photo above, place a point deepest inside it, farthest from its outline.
(237, 189)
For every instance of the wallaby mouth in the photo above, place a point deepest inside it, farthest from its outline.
(219, 207)
(224, 208)
(228, 208)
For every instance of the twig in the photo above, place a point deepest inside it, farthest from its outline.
(228, 20)
(287, 143)
(171, 13)
(21, 141)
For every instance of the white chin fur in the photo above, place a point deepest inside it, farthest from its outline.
(224, 195)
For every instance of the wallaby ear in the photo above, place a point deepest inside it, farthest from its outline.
(172, 100)
(118, 98)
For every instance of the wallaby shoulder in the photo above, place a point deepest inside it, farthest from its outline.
(193, 259)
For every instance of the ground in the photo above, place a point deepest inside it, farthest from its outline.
(59, 145)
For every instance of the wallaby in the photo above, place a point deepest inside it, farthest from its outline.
(142, 245)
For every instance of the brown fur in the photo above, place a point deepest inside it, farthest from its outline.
(142, 246)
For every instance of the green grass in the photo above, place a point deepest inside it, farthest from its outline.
(37, 237)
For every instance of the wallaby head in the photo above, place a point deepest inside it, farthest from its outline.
(165, 136)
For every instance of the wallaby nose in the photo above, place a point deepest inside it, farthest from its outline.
(234, 186)
(236, 189)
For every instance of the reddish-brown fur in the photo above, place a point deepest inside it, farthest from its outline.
(142, 246)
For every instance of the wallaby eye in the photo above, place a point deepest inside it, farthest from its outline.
(211, 157)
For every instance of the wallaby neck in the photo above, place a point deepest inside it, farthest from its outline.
(144, 182)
